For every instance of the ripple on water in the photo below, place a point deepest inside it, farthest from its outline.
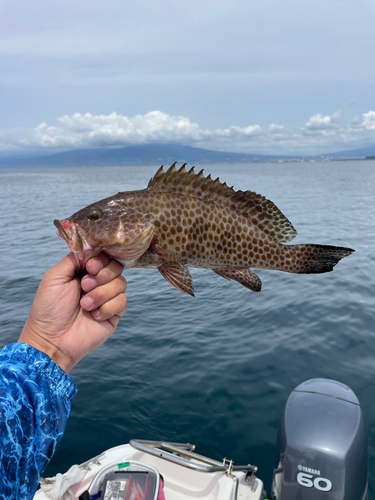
(214, 370)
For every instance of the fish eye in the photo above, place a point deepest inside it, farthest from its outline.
(95, 214)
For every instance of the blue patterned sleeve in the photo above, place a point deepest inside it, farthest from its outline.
(35, 395)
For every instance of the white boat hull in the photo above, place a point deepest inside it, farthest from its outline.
(180, 482)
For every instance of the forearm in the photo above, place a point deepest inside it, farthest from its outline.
(35, 397)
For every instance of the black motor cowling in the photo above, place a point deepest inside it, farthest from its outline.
(322, 445)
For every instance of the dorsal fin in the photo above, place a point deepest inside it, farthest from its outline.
(262, 212)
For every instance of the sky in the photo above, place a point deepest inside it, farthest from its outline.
(253, 76)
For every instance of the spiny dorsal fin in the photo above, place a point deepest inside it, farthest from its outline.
(262, 212)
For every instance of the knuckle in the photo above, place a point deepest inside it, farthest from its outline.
(117, 265)
(100, 295)
(123, 282)
(103, 258)
(121, 313)
(105, 275)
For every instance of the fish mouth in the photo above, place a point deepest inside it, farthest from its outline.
(61, 230)
(75, 237)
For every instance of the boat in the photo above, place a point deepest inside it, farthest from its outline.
(321, 453)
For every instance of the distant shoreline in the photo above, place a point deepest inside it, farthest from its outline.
(167, 154)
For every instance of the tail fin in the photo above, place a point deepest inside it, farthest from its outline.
(315, 259)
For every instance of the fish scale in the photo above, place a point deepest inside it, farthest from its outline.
(185, 219)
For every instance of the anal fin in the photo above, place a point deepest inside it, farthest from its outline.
(245, 277)
(178, 276)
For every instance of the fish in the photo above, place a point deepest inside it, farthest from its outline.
(184, 219)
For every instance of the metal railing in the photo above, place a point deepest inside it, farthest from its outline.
(182, 454)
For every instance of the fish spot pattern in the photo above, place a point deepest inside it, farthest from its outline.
(185, 219)
(209, 234)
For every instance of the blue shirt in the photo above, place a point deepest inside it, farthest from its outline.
(35, 395)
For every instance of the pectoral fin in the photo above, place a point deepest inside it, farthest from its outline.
(246, 277)
(178, 276)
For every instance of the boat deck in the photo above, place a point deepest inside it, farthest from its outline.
(187, 479)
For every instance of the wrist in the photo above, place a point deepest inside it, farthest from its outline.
(63, 361)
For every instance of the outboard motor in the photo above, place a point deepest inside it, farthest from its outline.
(322, 445)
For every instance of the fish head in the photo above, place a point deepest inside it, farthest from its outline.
(108, 226)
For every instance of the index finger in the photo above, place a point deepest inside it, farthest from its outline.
(94, 265)
(104, 276)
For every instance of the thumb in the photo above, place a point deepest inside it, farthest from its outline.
(63, 271)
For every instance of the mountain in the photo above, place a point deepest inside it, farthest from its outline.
(162, 154)
(147, 154)
(353, 153)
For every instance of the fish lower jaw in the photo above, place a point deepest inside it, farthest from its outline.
(83, 257)
(81, 248)
(81, 260)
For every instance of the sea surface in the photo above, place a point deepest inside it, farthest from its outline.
(217, 369)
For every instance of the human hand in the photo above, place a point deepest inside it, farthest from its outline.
(66, 325)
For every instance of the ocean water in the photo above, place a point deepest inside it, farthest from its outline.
(217, 369)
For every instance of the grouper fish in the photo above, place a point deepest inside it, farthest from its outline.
(186, 219)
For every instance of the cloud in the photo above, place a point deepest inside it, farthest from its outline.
(321, 133)
(319, 122)
(276, 129)
(87, 130)
(367, 120)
